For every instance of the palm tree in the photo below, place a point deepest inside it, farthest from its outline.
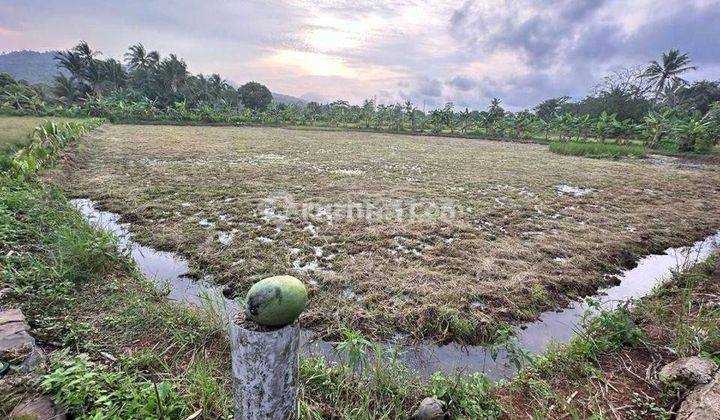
(85, 52)
(66, 89)
(113, 73)
(138, 58)
(80, 61)
(495, 111)
(410, 114)
(672, 65)
(71, 61)
(172, 73)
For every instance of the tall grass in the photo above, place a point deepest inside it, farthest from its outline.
(597, 150)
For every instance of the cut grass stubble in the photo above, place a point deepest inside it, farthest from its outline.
(515, 246)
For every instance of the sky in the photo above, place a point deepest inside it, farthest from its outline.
(429, 52)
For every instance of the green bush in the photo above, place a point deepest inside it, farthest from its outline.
(597, 150)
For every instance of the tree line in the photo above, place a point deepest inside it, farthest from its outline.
(652, 104)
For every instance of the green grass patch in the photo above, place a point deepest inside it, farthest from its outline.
(597, 150)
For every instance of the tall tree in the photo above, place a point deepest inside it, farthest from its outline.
(700, 95)
(172, 73)
(255, 95)
(66, 89)
(549, 108)
(671, 66)
(139, 58)
(495, 111)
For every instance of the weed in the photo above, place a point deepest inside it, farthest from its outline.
(355, 348)
(471, 395)
(453, 323)
(609, 330)
(206, 386)
(88, 390)
(505, 339)
(646, 407)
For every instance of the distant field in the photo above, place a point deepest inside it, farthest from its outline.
(510, 229)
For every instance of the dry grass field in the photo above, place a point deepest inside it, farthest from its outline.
(501, 230)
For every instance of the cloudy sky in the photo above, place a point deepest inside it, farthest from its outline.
(431, 52)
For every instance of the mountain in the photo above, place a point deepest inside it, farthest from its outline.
(40, 67)
(33, 66)
(287, 99)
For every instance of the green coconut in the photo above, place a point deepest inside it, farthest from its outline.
(276, 301)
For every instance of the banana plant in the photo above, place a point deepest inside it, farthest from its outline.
(604, 126)
(689, 133)
(582, 126)
(624, 130)
(655, 126)
(522, 124)
(566, 125)
(712, 122)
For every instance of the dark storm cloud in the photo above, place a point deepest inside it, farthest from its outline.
(432, 88)
(588, 37)
(541, 36)
(462, 83)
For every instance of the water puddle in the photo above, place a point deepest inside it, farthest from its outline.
(168, 270)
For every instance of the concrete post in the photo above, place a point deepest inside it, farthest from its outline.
(265, 371)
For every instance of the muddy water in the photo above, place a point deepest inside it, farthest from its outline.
(168, 269)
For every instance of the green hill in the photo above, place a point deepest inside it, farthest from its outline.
(33, 66)
(40, 67)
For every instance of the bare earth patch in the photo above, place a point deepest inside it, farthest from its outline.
(527, 231)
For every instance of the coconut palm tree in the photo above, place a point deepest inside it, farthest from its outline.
(138, 58)
(71, 61)
(85, 52)
(66, 89)
(172, 72)
(672, 65)
(495, 111)
(113, 73)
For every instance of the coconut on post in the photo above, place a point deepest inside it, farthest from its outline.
(265, 340)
